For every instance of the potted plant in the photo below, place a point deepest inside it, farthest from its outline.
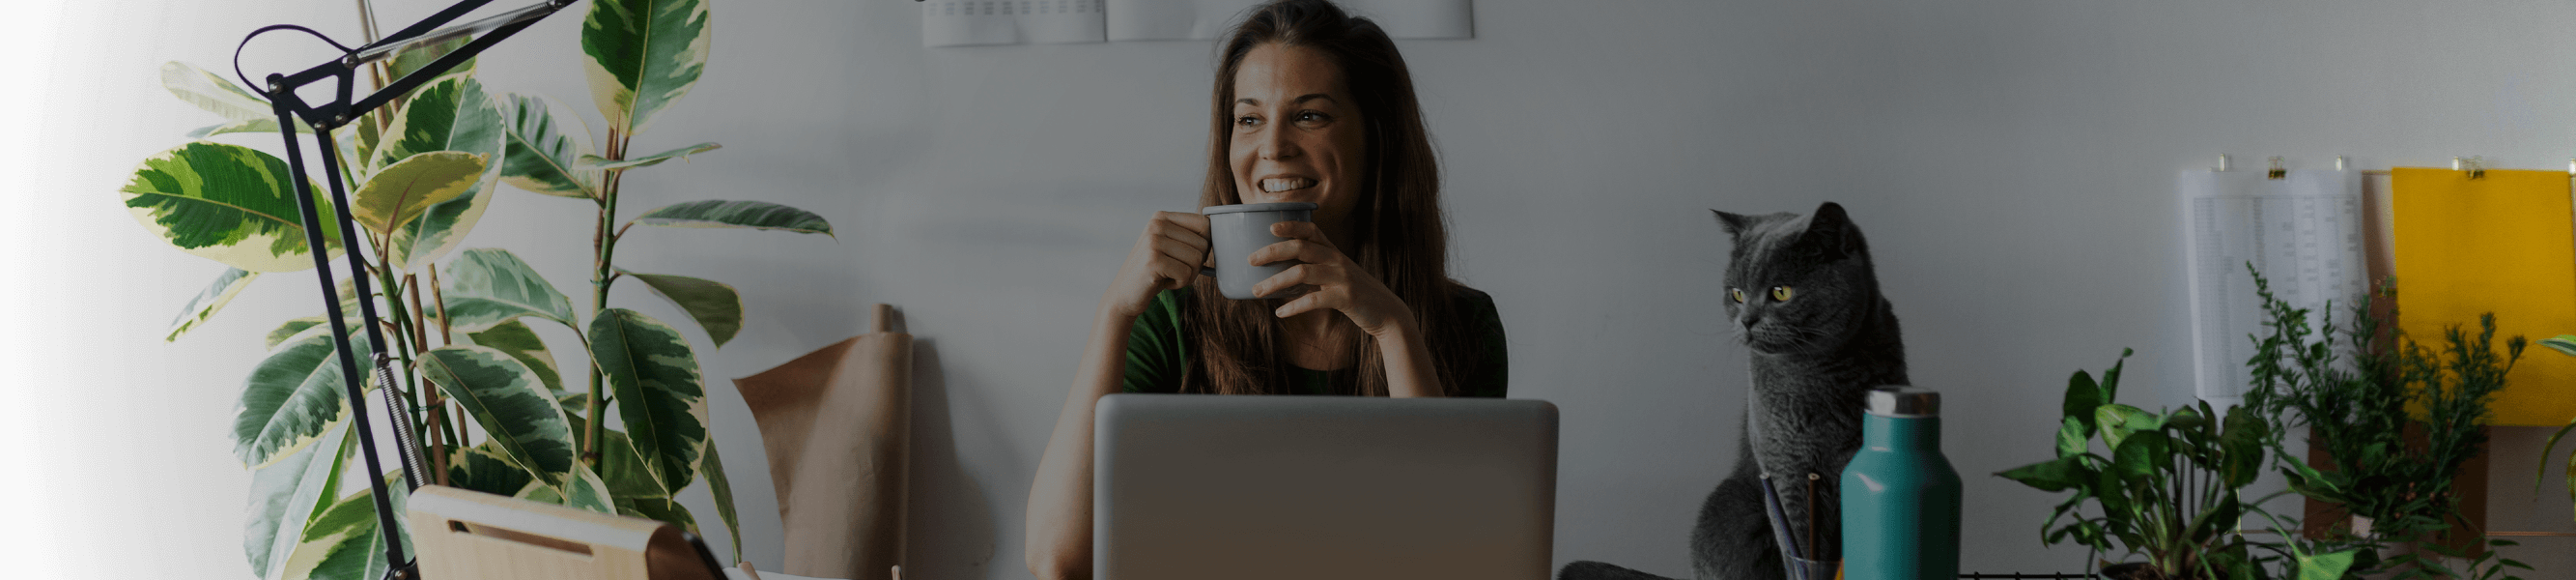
(2396, 420)
(2166, 489)
(492, 404)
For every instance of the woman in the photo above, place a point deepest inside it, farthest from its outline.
(1311, 105)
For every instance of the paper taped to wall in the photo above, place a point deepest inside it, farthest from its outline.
(980, 22)
(1208, 19)
(2497, 243)
(2303, 231)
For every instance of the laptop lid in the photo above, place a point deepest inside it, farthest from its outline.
(1246, 487)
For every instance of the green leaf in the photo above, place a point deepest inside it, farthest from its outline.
(342, 543)
(453, 114)
(2138, 457)
(286, 495)
(2082, 395)
(2242, 441)
(667, 511)
(520, 342)
(712, 465)
(213, 298)
(597, 163)
(480, 468)
(242, 110)
(2071, 440)
(715, 306)
(291, 398)
(291, 328)
(2052, 475)
(511, 406)
(489, 286)
(2119, 421)
(2565, 344)
(643, 55)
(226, 203)
(736, 214)
(369, 136)
(620, 468)
(414, 59)
(586, 491)
(542, 153)
(403, 191)
(654, 377)
(2325, 566)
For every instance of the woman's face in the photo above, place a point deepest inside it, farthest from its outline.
(1298, 135)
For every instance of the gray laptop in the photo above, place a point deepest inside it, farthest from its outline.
(1243, 487)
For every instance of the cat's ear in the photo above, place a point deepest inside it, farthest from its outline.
(1831, 230)
(1734, 224)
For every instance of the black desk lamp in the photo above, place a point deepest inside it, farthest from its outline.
(281, 92)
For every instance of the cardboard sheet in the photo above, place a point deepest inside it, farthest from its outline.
(2503, 243)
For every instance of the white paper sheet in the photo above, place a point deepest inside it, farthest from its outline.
(974, 22)
(1208, 19)
(2304, 232)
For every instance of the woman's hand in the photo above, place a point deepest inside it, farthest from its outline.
(1337, 283)
(1166, 257)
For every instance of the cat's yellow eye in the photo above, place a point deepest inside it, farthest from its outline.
(1781, 293)
(1737, 294)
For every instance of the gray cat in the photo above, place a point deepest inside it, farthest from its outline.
(1803, 298)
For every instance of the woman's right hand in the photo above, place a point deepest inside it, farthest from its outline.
(1166, 257)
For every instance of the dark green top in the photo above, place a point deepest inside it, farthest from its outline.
(1158, 355)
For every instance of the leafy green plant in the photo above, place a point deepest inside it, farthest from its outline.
(485, 390)
(2564, 344)
(2167, 490)
(2360, 393)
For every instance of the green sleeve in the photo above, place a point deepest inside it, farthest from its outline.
(1155, 356)
(1491, 376)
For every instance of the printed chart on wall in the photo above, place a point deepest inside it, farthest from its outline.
(2500, 243)
(982, 22)
(2303, 231)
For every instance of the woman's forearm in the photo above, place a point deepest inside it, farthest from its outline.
(1408, 364)
(1059, 512)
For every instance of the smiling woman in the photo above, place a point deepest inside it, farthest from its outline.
(1310, 105)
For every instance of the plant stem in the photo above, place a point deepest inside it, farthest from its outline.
(603, 272)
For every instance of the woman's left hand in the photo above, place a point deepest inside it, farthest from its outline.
(1337, 283)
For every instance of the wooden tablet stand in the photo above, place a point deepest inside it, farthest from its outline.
(464, 534)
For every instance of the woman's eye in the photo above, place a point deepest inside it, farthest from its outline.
(1311, 118)
(1247, 121)
(1781, 293)
(1736, 293)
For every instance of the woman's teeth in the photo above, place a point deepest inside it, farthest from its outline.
(1279, 184)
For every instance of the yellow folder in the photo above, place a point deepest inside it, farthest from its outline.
(2502, 243)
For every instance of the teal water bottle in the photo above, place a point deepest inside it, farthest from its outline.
(1900, 497)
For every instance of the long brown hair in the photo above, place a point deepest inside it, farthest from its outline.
(1402, 235)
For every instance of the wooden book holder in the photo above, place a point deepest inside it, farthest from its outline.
(464, 534)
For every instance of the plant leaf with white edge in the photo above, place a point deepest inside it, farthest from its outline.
(542, 152)
(586, 491)
(482, 469)
(286, 495)
(226, 203)
(520, 342)
(717, 213)
(268, 125)
(291, 398)
(505, 399)
(212, 299)
(654, 377)
(597, 163)
(453, 114)
(716, 306)
(642, 55)
(243, 110)
(403, 191)
(342, 542)
(288, 330)
(489, 286)
(620, 467)
(665, 511)
(712, 466)
(408, 61)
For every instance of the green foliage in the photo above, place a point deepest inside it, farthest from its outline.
(2360, 392)
(421, 173)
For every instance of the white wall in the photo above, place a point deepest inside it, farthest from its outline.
(2012, 160)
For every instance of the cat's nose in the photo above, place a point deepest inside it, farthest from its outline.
(1751, 319)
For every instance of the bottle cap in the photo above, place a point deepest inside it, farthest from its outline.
(1904, 401)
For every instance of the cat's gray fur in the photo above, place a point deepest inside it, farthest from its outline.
(1815, 356)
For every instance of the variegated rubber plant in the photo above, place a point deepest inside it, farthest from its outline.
(485, 390)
